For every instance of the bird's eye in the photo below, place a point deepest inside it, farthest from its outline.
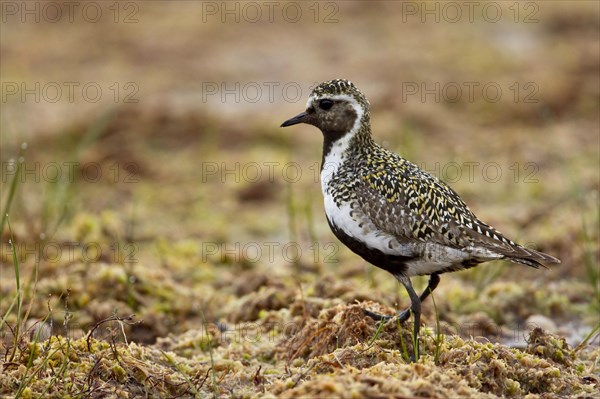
(326, 104)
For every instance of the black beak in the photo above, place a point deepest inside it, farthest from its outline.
(300, 118)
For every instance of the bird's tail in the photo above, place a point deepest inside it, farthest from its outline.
(531, 257)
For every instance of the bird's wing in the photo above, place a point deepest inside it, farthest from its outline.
(413, 205)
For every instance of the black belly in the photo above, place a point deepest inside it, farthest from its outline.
(395, 264)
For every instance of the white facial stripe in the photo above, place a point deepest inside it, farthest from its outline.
(310, 100)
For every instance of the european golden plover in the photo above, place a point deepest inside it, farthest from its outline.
(389, 211)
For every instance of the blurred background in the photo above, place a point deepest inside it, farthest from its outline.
(154, 178)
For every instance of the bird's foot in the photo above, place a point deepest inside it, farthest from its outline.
(402, 316)
(376, 316)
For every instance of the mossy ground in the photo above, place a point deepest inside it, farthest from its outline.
(199, 263)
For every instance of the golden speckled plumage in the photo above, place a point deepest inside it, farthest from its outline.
(418, 206)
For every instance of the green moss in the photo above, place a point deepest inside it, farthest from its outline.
(512, 388)
(119, 372)
(27, 393)
(87, 228)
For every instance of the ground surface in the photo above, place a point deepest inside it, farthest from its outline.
(162, 187)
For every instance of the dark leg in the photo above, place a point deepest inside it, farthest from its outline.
(434, 280)
(415, 308)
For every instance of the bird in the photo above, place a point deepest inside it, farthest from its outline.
(389, 211)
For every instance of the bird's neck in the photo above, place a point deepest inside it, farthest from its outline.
(338, 148)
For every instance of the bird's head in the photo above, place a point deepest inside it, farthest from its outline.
(336, 107)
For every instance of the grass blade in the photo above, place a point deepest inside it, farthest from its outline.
(13, 186)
